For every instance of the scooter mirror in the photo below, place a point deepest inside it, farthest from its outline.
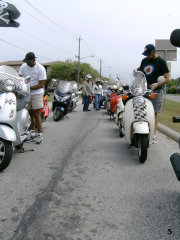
(27, 79)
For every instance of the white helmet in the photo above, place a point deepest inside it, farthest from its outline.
(98, 80)
(88, 77)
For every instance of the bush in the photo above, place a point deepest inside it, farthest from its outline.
(174, 90)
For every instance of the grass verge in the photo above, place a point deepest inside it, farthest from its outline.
(166, 116)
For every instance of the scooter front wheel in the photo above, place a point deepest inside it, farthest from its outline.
(142, 147)
(121, 130)
(6, 151)
(57, 115)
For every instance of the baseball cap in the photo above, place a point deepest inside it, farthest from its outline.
(149, 49)
(29, 57)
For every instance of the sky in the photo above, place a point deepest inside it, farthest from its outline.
(115, 31)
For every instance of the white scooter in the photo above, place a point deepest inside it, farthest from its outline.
(136, 117)
(14, 118)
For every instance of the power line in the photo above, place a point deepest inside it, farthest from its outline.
(23, 49)
(45, 42)
(52, 21)
(43, 22)
(88, 47)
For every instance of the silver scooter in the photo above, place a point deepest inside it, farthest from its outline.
(14, 117)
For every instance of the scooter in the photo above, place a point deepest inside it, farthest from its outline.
(114, 99)
(175, 157)
(14, 117)
(137, 119)
(65, 99)
(45, 110)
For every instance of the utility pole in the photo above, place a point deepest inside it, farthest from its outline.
(79, 40)
(100, 68)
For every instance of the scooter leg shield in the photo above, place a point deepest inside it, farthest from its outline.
(175, 161)
(7, 133)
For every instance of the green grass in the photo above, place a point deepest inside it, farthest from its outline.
(168, 111)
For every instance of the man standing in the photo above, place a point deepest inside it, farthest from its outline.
(87, 90)
(38, 75)
(97, 91)
(153, 67)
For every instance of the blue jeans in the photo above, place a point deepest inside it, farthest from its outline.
(97, 100)
(86, 100)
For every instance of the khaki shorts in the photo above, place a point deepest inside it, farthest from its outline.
(36, 102)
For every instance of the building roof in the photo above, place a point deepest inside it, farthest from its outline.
(12, 63)
(18, 63)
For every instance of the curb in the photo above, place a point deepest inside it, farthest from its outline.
(169, 132)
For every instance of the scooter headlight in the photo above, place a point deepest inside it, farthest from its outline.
(63, 99)
(140, 102)
(9, 85)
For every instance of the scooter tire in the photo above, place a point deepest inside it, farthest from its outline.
(142, 148)
(57, 115)
(6, 151)
(121, 133)
(175, 161)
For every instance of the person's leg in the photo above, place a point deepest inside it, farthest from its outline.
(88, 102)
(85, 107)
(37, 104)
(99, 98)
(96, 101)
(38, 120)
(156, 123)
(32, 125)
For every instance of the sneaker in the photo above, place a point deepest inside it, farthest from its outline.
(31, 135)
(154, 139)
(39, 139)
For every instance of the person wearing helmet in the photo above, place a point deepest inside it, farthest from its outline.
(97, 91)
(87, 89)
(153, 67)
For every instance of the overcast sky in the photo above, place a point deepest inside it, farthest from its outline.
(115, 31)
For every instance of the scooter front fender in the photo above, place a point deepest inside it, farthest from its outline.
(7, 133)
(60, 108)
(140, 128)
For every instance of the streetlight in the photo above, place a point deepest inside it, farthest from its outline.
(79, 65)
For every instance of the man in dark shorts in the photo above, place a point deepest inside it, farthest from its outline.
(153, 67)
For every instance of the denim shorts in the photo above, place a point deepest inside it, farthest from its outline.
(157, 102)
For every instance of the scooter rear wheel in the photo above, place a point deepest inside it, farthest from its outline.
(142, 148)
(57, 115)
(6, 151)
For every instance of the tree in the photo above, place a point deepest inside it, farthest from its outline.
(68, 71)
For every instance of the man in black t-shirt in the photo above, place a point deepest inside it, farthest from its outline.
(153, 67)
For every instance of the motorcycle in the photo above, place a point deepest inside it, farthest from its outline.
(175, 157)
(136, 117)
(65, 99)
(14, 117)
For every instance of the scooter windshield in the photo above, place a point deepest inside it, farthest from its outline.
(8, 70)
(64, 86)
(73, 86)
(138, 85)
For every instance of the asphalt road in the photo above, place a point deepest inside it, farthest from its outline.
(173, 97)
(85, 183)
